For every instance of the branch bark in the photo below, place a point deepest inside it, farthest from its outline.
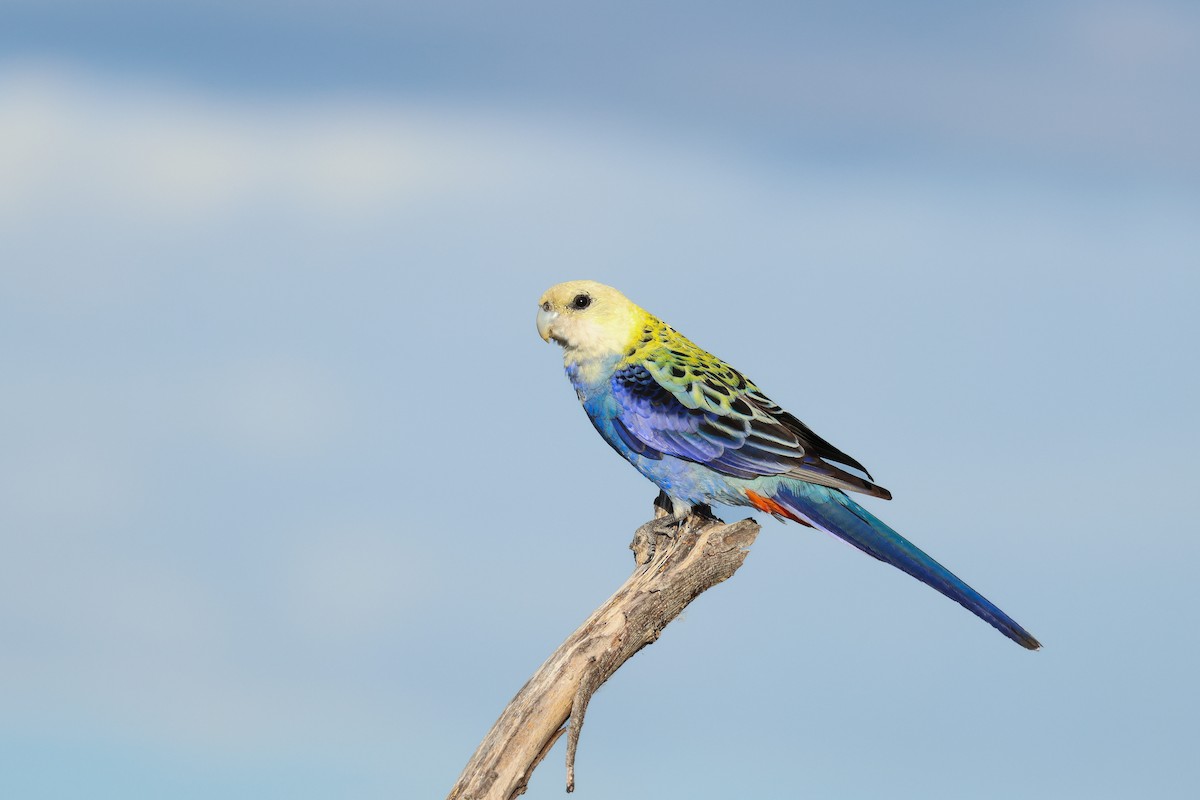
(675, 563)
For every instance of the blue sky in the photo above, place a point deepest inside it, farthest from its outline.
(292, 498)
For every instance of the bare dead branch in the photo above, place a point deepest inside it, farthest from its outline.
(675, 563)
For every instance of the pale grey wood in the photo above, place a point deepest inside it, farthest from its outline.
(675, 563)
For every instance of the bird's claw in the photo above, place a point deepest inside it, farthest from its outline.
(669, 522)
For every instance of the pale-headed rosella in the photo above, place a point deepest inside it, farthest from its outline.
(704, 433)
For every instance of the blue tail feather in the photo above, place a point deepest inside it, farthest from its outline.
(832, 511)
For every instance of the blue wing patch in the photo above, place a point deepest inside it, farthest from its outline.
(754, 438)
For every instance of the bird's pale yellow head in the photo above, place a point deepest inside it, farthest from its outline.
(588, 319)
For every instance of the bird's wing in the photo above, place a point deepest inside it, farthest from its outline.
(684, 402)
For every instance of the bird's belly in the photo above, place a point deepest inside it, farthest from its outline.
(682, 480)
(690, 482)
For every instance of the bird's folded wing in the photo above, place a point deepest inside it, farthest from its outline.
(716, 418)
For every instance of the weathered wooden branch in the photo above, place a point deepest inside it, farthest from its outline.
(675, 563)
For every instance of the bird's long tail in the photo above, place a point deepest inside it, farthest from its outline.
(831, 510)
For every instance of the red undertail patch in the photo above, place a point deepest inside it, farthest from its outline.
(773, 508)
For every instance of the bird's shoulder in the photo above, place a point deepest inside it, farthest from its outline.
(674, 397)
(661, 358)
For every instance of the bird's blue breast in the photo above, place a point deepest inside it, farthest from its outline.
(683, 480)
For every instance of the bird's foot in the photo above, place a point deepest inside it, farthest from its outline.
(670, 520)
(645, 541)
(678, 511)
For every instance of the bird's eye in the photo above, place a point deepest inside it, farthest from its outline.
(581, 302)
(546, 306)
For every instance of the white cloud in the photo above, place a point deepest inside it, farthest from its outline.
(164, 157)
(106, 184)
(75, 143)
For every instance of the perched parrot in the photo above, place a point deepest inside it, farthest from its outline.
(704, 433)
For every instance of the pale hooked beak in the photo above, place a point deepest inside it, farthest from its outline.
(544, 320)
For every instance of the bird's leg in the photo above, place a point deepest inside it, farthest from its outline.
(663, 505)
(670, 516)
(670, 513)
